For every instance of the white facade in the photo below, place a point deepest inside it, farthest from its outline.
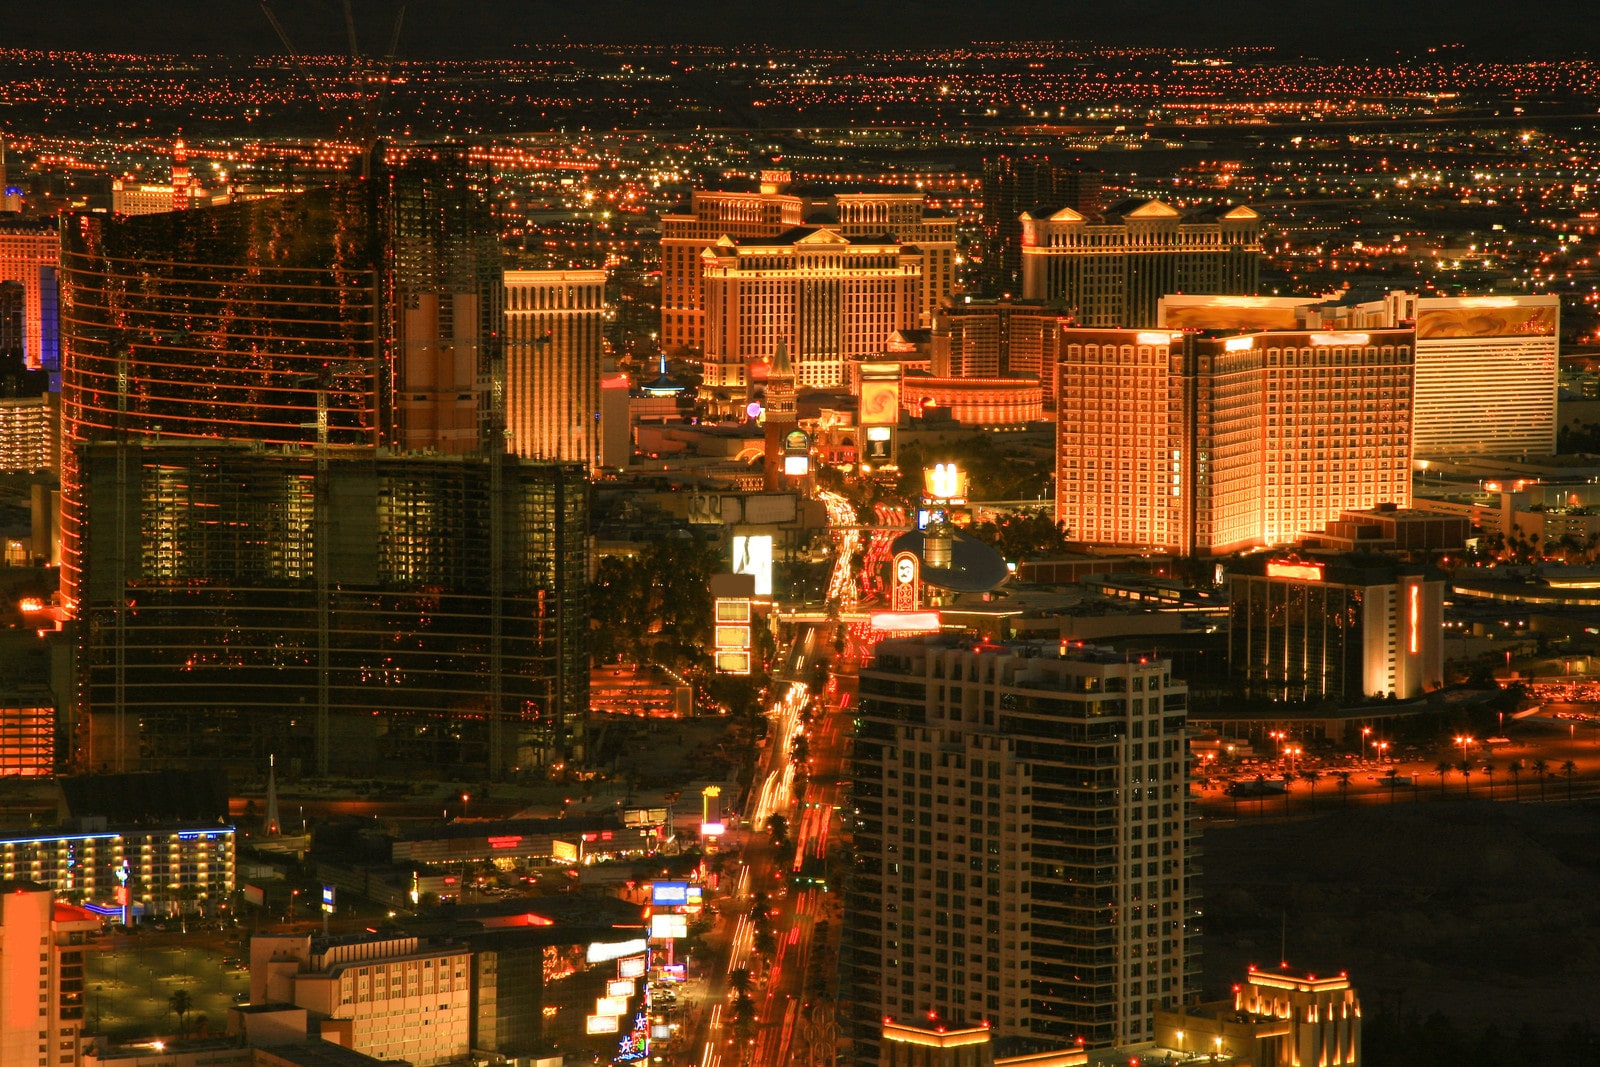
(554, 342)
(394, 998)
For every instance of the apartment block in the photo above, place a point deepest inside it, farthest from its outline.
(1022, 841)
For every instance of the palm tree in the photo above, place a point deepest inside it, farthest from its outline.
(1343, 778)
(1542, 769)
(1393, 774)
(1569, 768)
(178, 1004)
(739, 981)
(1488, 771)
(1465, 767)
(1516, 780)
(1311, 778)
(1442, 768)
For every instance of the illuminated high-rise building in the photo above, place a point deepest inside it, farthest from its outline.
(1022, 844)
(314, 372)
(1182, 443)
(1112, 268)
(1012, 185)
(773, 208)
(1486, 371)
(829, 298)
(555, 346)
(42, 999)
(997, 339)
(30, 256)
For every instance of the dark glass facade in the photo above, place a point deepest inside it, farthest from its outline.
(1297, 640)
(289, 524)
(443, 602)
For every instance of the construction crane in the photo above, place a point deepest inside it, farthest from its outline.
(366, 118)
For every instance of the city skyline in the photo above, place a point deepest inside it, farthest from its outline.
(1004, 536)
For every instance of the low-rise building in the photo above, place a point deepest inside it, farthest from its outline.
(402, 998)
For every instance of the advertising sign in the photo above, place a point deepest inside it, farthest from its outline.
(669, 894)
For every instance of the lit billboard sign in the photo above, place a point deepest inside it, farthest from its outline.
(752, 555)
(901, 622)
(601, 951)
(632, 966)
(1302, 572)
(622, 987)
(602, 1024)
(945, 481)
(669, 894)
(665, 926)
(880, 402)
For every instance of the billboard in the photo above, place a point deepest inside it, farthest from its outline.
(752, 555)
(1229, 313)
(880, 403)
(1489, 320)
(667, 925)
(669, 894)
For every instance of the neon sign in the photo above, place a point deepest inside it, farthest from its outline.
(1304, 572)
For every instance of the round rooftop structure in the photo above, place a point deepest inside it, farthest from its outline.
(971, 566)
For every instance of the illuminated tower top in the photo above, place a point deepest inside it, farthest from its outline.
(180, 175)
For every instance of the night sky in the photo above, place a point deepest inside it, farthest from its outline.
(468, 28)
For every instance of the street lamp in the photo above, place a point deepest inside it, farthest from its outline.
(1464, 740)
(1383, 751)
(1366, 732)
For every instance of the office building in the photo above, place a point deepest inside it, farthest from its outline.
(1112, 268)
(1486, 371)
(1345, 628)
(436, 618)
(393, 998)
(1274, 1018)
(1012, 185)
(830, 298)
(435, 615)
(42, 944)
(554, 342)
(30, 256)
(1022, 844)
(773, 208)
(1188, 444)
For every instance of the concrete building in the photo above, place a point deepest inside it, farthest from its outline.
(169, 870)
(972, 1046)
(1276, 1019)
(41, 976)
(1486, 371)
(1181, 443)
(774, 207)
(997, 339)
(30, 255)
(1022, 844)
(1342, 629)
(829, 297)
(394, 998)
(554, 343)
(1112, 268)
